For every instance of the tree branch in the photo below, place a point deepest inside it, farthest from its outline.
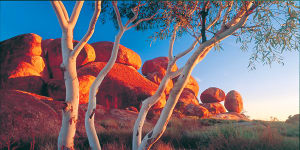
(217, 17)
(141, 20)
(90, 31)
(135, 11)
(116, 9)
(75, 13)
(229, 6)
(172, 40)
(176, 73)
(188, 50)
(64, 10)
(60, 14)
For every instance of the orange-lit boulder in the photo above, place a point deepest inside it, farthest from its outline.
(155, 69)
(155, 77)
(54, 57)
(126, 56)
(196, 110)
(122, 87)
(212, 95)
(192, 84)
(214, 108)
(187, 97)
(21, 64)
(85, 83)
(157, 65)
(25, 44)
(234, 102)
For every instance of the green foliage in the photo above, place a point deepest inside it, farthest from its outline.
(272, 28)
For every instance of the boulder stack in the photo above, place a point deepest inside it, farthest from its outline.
(22, 65)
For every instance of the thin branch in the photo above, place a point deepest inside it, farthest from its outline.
(172, 40)
(90, 31)
(176, 73)
(115, 5)
(217, 17)
(229, 7)
(141, 20)
(60, 14)
(188, 50)
(64, 10)
(135, 11)
(75, 13)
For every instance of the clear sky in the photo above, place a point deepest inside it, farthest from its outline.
(266, 91)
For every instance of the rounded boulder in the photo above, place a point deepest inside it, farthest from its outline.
(234, 102)
(212, 95)
(54, 56)
(125, 56)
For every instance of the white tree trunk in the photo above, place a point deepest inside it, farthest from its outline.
(70, 112)
(90, 113)
(69, 54)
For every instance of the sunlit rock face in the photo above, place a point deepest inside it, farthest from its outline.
(214, 108)
(196, 110)
(234, 102)
(22, 64)
(192, 84)
(212, 95)
(187, 97)
(122, 87)
(54, 56)
(125, 56)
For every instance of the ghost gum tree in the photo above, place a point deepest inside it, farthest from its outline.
(271, 26)
(70, 53)
(131, 23)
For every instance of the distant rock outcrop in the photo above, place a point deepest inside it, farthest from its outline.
(234, 102)
(212, 95)
(22, 65)
(125, 56)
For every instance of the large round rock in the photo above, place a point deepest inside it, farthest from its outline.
(212, 95)
(54, 56)
(125, 56)
(234, 102)
(22, 65)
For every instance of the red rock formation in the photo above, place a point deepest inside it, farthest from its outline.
(56, 89)
(24, 114)
(212, 95)
(126, 56)
(54, 57)
(214, 108)
(155, 69)
(196, 110)
(234, 102)
(187, 97)
(122, 87)
(21, 63)
(157, 65)
(192, 84)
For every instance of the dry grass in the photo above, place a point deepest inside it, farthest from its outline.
(191, 133)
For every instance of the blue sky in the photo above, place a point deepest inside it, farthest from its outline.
(266, 91)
